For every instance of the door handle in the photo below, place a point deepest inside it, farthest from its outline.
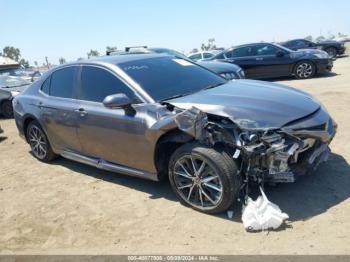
(81, 112)
(259, 59)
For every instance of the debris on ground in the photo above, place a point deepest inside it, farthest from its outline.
(262, 214)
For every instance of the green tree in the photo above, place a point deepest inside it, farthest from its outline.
(209, 46)
(12, 52)
(62, 61)
(92, 53)
(24, 62)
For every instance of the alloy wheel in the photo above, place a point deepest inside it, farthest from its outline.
(37, 141)
(197, 182)
(304, 70)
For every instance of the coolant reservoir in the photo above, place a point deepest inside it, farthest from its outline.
(262, 214)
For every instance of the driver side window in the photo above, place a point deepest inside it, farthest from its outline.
(97, 83)
(262, 50)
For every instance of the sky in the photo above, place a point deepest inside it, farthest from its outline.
(70, 28)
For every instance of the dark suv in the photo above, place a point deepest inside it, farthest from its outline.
(156, 116)
(333, 48)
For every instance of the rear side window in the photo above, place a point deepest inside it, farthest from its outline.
(63, 81)
(97, 83)
(207, 55)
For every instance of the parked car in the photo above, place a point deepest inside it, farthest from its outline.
(333, 48)
(28, 75)
(226, 70)
(10, 86)
(155, 116)
(202, 55)
(266, 60)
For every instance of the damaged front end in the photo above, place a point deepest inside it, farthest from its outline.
(274, 155)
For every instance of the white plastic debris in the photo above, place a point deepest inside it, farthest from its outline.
(262, 214)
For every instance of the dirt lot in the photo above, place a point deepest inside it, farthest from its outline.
(66, 207)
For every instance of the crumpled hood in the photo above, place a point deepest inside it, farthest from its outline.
(252, 104)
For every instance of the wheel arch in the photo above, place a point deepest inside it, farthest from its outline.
(165, 147)
(305, 60)
(27, 119)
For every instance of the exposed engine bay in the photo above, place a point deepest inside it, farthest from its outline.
(265, 155)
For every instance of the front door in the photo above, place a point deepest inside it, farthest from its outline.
(115, 135)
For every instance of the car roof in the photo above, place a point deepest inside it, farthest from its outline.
(122, 58)
(114, 59)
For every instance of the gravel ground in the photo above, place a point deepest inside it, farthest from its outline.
(65, 207)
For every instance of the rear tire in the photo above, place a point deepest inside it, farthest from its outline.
(37, 139)
(332, 52)
(211, 187)
(304, 70)
(7, 109)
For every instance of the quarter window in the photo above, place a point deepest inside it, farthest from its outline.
(46, 86)
(63, 81)
(98, 83)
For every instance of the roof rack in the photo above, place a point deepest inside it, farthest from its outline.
(127, 49)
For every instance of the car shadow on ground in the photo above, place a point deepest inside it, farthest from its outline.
(156, 190)
(309, 196)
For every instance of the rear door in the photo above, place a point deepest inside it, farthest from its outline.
(57, 108)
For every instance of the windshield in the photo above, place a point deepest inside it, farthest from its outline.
(8, 81)
(168, 77)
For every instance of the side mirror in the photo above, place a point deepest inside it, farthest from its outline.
(121, 101)
(280, 54)
(116, 100)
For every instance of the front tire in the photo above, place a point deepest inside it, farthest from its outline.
(41, 148)
(7, 109)
(204, 178)
(304, 70)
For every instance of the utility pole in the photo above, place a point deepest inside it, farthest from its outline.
(47, 62)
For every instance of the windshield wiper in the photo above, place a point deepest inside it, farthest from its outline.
(175, 96)
(213, 86)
